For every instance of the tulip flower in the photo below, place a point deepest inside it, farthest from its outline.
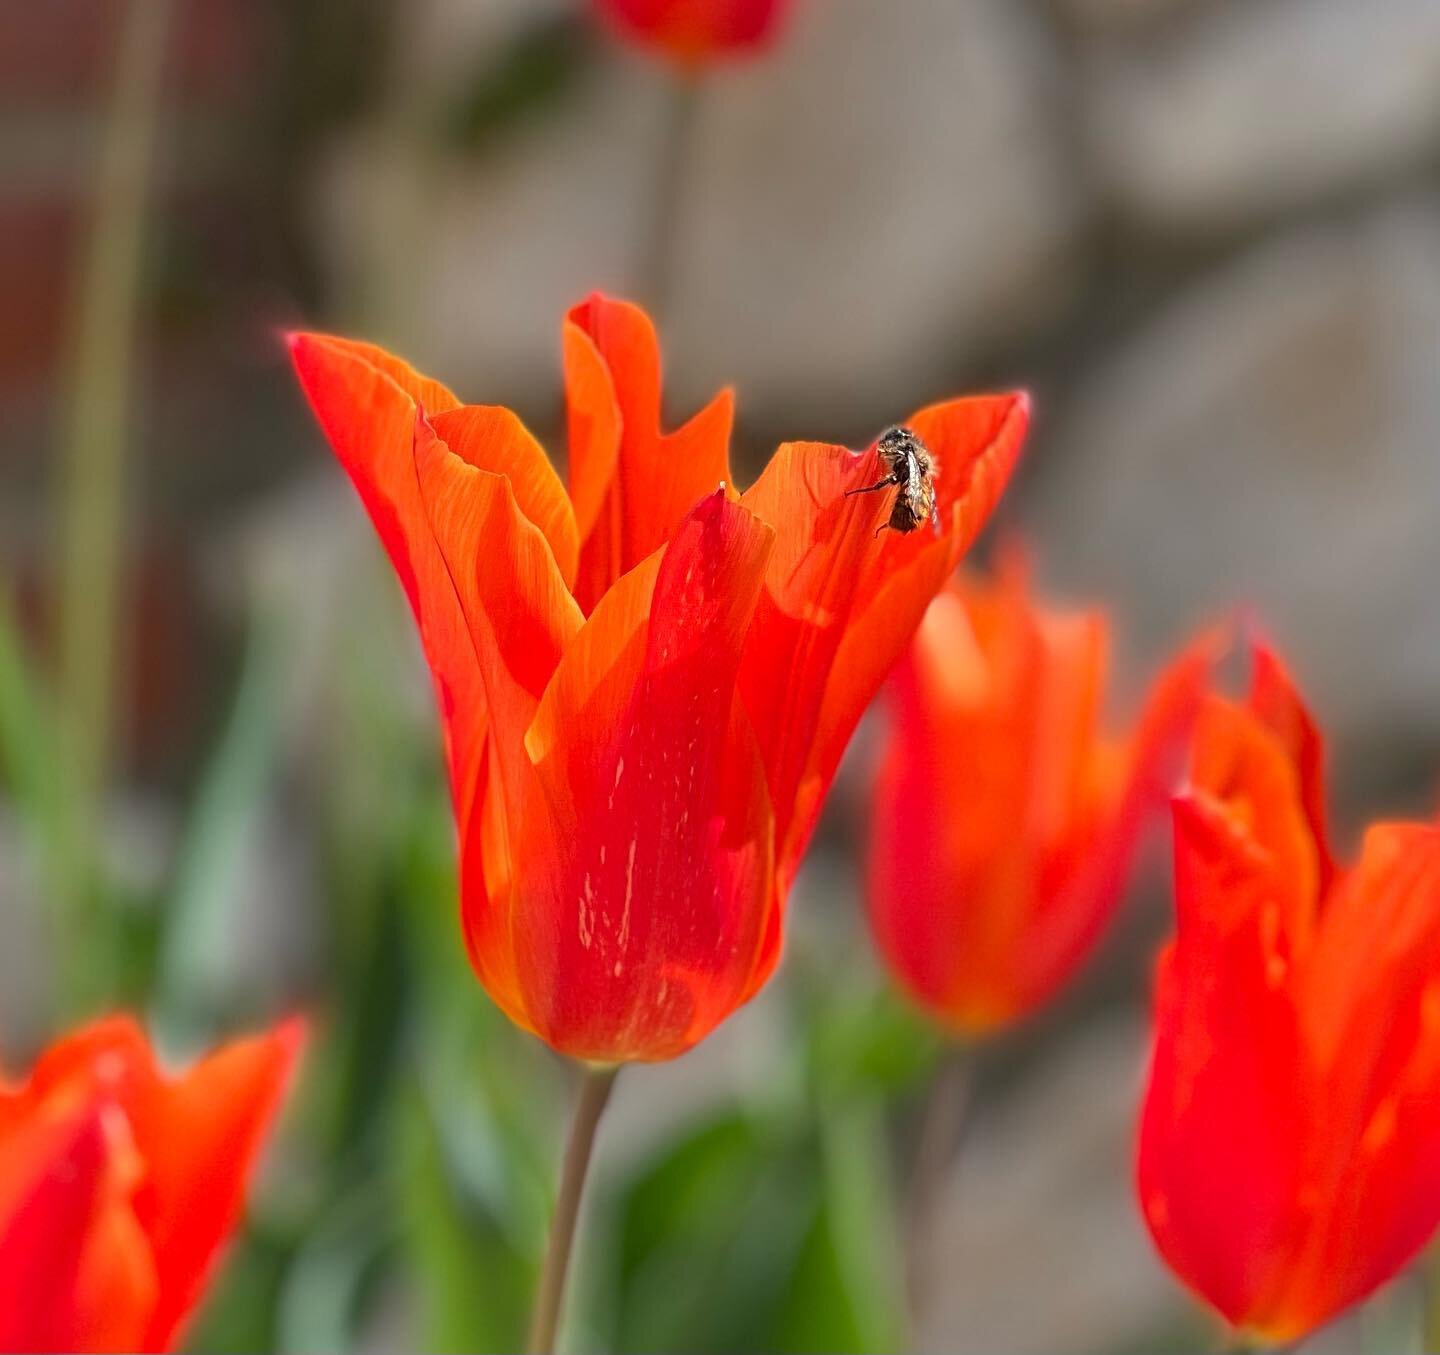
(695, 33)
(119, 1184)
(646, 680)
(1290, 1142)
(1004, 817)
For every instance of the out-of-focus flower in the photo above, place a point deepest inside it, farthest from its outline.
(646, 683)
(695, 33)
(1004, 818)
(119, 1185)
(1290, 1141)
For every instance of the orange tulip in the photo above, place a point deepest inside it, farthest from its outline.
(119, 1185)
(647, 682)
(1290, 1141)
(695, 33)
(1004, 819)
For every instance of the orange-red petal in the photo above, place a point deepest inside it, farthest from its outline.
(200, 1135)
(630, 482)
(1218, 1170)
(518, 613)
(693, 32)
(367, 403)
(1276, 700)
(1245, 774)
(840, 603)
(1371, 998)
(647, 875)
(75, 1274)
(1088, 864)
(491, 438)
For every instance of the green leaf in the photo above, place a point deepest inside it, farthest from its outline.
(844, 1294)
(336, 1274)
(473, 1285)
(866, 1041)
(28, 740)
(195, 987)
(238, 1315)
(706, 1237)
(529, 77)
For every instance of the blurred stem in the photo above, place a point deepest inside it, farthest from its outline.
(96, 408)
(657, 272)
(1430, 1301)
(942, 1127)
(590, 1105)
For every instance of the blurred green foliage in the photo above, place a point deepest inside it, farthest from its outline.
(531, 75)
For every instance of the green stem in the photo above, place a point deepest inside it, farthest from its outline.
(96, 409)
(590, 1104)
(942, 1126)
(1430, 1301)
(657, 269)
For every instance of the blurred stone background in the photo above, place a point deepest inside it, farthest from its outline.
(1206, 233)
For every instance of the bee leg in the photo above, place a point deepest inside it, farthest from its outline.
(870, 489)
(881, 528)
(935, 519)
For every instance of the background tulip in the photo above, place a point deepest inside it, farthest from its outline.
(698, 32)
(119, 1184)
(1004, 816)
(1289, 1146)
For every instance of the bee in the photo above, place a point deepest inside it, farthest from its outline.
(911, 469)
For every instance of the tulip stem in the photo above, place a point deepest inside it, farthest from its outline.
(657, 275)
(90, 564)
(943, 1122)
(590, 1105)
(1430, 1302)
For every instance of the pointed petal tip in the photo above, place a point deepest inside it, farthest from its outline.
(596, 299)
(292, 1034)
(1253, 631)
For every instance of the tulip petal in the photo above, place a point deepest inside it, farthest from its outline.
(1087, 864)
(519, 617)
(840, 603)
(1372, 998)
(1218, 1170)
(631, 484)
(518, 613)
(200, 1135)
(943, 884)
(694, 31)
(75, 1271)
(639, 923)
(367, 403)
(1276, 700)
(491, 438)
(1378, 944)
(1246, 775)
(824, 545)
(365, 400)
(976, 442)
